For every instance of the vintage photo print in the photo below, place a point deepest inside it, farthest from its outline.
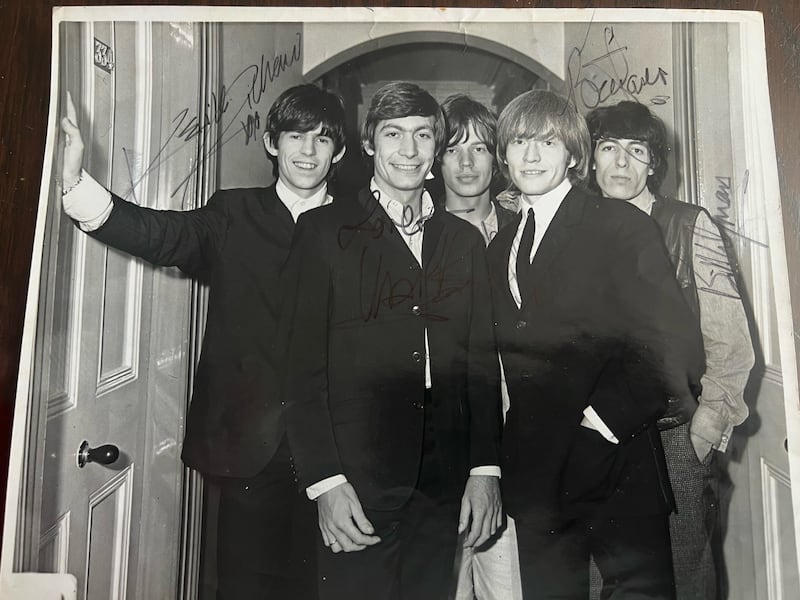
(177, 365)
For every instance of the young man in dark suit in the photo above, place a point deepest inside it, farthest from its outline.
(238, 244)
(392, 387)
(630, 162)
(468, 167)
(594, 336)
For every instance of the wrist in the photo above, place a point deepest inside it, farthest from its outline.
(70, 184)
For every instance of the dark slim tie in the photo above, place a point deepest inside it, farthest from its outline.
(524, 253)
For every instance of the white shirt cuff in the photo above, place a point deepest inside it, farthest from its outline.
(491, 470)
(315, 491)
(88, 203)
(597, 424)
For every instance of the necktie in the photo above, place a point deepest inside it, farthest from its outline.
(524, 253)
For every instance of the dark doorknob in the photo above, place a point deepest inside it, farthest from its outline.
(105, 454)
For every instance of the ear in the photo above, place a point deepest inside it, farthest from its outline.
(572, 162)
(271, 148)
(650, 171)
(339, 156)
(368, 149)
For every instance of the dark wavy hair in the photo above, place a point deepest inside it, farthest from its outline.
(400, 99)
(304, 108)
(461, 111)
(541, 114)
(630, 120)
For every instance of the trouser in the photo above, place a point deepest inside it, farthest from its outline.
(490, 572)
(694, 526)
(632, 553)
(266, 531)
(414, 559)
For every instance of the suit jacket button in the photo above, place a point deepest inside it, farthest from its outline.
(416, 356)
(522, 324)
(416, 310)
(417, 404)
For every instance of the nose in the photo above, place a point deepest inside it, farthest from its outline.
(532, 151)
(465, 158)
(622, 158)
(408, 146)
(308, 147)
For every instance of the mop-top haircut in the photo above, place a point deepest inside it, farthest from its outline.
(541, 114)
(629, 120)
(397, 100)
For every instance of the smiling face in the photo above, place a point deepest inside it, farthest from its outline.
(622, 167)
(304, 159)
(403, 150)
(467, 167)
(537, 164)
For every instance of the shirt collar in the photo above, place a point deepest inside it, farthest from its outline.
(644, 202)
(297, 204)
(548, 202)
(399, 212)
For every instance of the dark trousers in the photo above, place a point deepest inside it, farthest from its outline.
(414, 559)
(266, 532)
(632, 553)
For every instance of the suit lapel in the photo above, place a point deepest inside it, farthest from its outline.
(431, 235)
(556, 238)
(501, 248)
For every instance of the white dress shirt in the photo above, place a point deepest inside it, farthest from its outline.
(544, 209)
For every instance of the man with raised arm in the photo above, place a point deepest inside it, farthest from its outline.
(238, 244)
(392, 375)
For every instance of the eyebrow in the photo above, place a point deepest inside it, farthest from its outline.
(401, 128)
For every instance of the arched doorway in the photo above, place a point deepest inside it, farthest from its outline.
(444, 66)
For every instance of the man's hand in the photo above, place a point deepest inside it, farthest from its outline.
(73, 147)
(342, 521)
(481, 509)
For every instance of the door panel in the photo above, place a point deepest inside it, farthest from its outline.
(114, 365)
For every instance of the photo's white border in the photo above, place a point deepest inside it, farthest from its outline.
(760, 151)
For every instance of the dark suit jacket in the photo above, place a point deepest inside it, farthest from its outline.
(603, 324)
(237, 243)
(356, 360)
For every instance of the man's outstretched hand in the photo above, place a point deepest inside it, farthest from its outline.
(73, 147)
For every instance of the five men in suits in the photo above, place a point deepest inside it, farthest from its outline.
(238, 244)
(392, 373)
(594, 336)
(378, 333)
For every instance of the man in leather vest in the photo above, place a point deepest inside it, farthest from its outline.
(630, 151)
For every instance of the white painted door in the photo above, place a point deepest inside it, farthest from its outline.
(114, 335)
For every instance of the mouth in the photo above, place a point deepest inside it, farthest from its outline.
(620, 178)
(405, 168)
(304, 166)
(533, 172)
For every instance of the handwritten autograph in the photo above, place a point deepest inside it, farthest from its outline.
(380, 289)
(233, 106)
(597, 80)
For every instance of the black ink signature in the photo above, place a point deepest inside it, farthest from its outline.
(234, 104)
(381, 290)
(722, 215)
(599, 79)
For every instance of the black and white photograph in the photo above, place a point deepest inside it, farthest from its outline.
(406, 304)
